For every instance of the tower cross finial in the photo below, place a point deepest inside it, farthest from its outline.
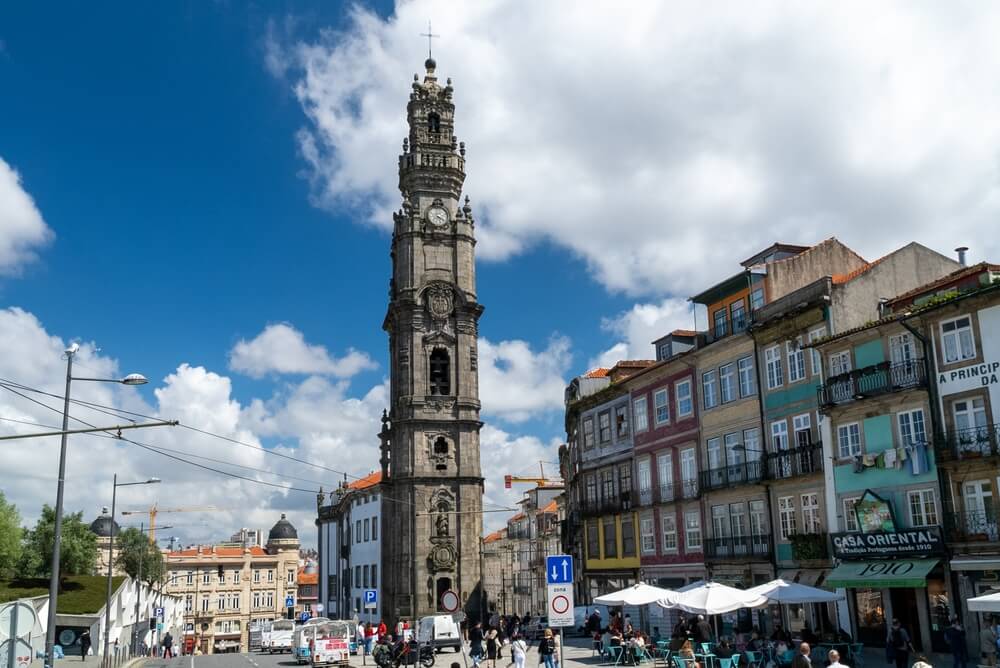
(429, 35)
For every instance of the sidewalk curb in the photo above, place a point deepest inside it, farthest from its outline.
(135, 662)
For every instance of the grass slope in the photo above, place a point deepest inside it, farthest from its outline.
(80, 594)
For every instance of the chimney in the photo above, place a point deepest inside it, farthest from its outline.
(961, 255)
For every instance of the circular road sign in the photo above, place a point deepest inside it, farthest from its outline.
(450, 601)
(560, 604)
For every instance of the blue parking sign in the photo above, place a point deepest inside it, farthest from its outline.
(371, 598)
(559, 569)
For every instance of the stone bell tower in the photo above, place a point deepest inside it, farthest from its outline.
(432, 483)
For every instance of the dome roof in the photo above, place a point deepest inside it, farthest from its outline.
(102, 525)
(311, 567)
(283, 530)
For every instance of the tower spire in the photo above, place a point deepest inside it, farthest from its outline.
(429, 35)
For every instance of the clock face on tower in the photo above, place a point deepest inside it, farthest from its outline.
(437, 216)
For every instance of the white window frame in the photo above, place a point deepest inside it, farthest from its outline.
(715, 458)
(786, 516)
(647, 532)
(747, 371)
(850, 517)
(588, 442)
(692, 530)
(903, 441)
(775, 375)
(956, 333)
(811, 522)
(664, 469)
(683, 398)
(668, 530)
(727, 379)
(796, 360)
(840, 362)
(922, 496)
(969, 413)
(643, 475)
(854, 449)
(639, 414)
(779, 436)
(801, 423)
(657, 406)
(709, 389)
(817, 359)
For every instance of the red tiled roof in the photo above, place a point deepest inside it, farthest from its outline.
(494, 537)
(636, 364)
(209, 550)
(551, 508)
(956, 275)
(519, 516)
(307, 578)
(369, 480)
(683, 332)
(599, 372)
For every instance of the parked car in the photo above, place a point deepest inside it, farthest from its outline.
(536, 628)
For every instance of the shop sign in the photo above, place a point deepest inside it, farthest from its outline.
(969, 377)
(905, 542)
(874, 513)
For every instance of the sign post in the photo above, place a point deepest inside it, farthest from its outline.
(559, 581)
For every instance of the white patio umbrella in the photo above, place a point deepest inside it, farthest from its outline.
(637, 594)
(782, 591)
(986, 603)
(712, 598)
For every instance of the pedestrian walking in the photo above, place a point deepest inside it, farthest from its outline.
(899, 644)
(988, 645)
(84, 645)
(168, 646)
(547, 649)
(955, 636)
(519, 651)
(476, 643)
(492, 647)
(802, 660)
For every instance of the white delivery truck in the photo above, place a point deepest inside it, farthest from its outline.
(439, 631)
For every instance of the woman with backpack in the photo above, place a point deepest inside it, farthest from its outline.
(898, 644)
(547, 649)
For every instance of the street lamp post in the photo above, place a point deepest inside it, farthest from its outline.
(111, 547)
(131, 379)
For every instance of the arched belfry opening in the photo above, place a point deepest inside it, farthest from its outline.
(433, 122)
(440, 372)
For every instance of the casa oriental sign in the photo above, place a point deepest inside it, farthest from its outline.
(921, 542)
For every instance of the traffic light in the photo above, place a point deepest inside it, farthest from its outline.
(152, 624)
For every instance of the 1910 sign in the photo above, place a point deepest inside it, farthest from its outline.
(925, 541)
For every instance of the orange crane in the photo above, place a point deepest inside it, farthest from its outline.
(541, 481)
(153, 511)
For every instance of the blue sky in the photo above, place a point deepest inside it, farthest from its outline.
(179, 181)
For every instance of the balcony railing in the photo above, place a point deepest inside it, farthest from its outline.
(802, 460)
(872, 381)
(592, 507)
(738, 548)
(644, 497)
(972, 526)
(970, 443)
(690, 489)
(733, 474)
(666, 493)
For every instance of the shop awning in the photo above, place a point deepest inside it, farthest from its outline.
(975, 564)
(812, 577)
(878, 574)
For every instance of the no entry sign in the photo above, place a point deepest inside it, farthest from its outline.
(560, 605)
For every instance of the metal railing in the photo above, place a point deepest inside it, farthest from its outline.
(802, 460)
(969, 443)
(592, 507)
(738, 548)
(643, 497)
(666, 493)
(873, 380)
(972, 526)
(732, 474)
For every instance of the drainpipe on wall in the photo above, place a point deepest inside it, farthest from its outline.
(763, 441)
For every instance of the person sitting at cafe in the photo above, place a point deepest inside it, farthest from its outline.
(687, 653)
(724, 650)
(616, 638)
(756, 643)
(780, 634)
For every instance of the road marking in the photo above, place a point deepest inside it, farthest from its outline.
(192, 661)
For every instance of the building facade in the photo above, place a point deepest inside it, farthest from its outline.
(432, 481)
(350, 548)
(225, 589)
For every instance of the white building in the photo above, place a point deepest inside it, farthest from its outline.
(350, 549)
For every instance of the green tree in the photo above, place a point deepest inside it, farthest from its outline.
(10, 537)
(134, 547)
(78, 547)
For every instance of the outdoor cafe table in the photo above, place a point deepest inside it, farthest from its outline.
(708, 658)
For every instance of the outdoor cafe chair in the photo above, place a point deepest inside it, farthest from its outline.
(857, 651)
(615, 654)
(682, 662)
(729, 662)
(642, 655)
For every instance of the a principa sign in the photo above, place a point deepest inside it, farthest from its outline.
(925, 541)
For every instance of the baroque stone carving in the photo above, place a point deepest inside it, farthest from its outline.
(440, 300)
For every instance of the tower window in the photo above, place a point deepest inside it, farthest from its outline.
(433, 122)
(440, 372)
(441, 450)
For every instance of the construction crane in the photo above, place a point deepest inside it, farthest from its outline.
(153, 511)
(541, 481)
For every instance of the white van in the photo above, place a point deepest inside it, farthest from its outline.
(439, 631)
(281, 636)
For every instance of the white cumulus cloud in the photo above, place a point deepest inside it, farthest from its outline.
(636, 329)
(516, 383)
(22, 229)
(282, 349)
(685, 139)
(505, 453)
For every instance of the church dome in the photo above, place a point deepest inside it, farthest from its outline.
(102, 526)
(283, 530)
(430, 64)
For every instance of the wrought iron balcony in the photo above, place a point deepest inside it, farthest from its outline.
(608, 506)
(733, 474)
(970, 443)
(666, 493)
(972, 526)
(643, 497)
(738, 548)
(802, 460)
(871, 381)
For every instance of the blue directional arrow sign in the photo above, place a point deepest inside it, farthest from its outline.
(559, 569)
(289, 602)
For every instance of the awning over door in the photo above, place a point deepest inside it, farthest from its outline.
(812, 577)
(879, 574)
